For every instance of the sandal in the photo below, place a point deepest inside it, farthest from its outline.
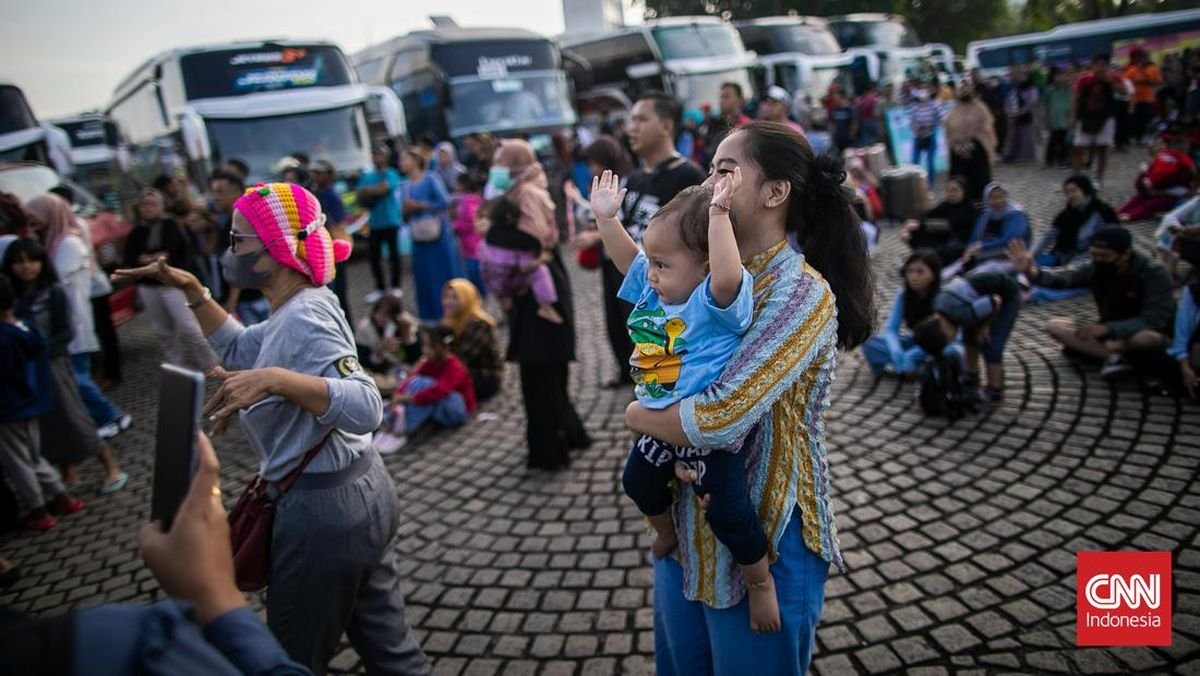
(115, 485)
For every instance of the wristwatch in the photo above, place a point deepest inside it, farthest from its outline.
(204, 298)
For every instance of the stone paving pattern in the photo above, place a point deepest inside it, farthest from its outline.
(960, 538)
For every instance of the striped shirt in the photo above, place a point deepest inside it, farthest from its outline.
(769, 404)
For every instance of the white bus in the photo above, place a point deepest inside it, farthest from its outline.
(800, 53)
(1079, 42)
(101, 157)
(196, 108)
(455, 81)
(686, 57)
(901, 52)
(24, 139)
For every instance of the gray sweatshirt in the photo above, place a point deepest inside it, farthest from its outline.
(308, 335)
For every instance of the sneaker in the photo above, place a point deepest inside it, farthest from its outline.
(109, 430)
(1096, 184)
(387, 443)
(41, 524)
(373, 297)
(1115, 366)
(125, 422)
(115, 485)
(63, 505)
(993, 395)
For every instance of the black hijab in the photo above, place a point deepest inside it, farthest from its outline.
(961, 216)
(1069, 221)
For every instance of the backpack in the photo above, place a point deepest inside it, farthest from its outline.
(1097, 101)
(941, 392)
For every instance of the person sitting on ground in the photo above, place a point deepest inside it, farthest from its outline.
(522, 233)
(693, 302)
(385, 339)
(984, 306)
(68, 433)
(1168, 180)
(474, 336)
(438, 390)
(1000, 223)
(1185, 349)
(1069, 238)
(1178, 237)
(26, 391)
(947, 227)
(1134, 296)
(205, 627)
(896, 350)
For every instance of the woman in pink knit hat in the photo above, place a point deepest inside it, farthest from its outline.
(296, 385)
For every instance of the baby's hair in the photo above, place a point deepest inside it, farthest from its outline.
(439, 334)
(688, 213)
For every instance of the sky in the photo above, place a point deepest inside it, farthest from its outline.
(68, 55)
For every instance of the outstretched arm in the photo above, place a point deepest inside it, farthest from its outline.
(607, 196)
(724, 258)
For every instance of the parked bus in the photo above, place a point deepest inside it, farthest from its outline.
(24, 139)
(100, 156)
(800, 53)
(192, 109)
(686, 57)
(901, 52)
(455, 81)
(1079, 42)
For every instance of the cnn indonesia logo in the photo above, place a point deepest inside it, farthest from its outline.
(1124, 598)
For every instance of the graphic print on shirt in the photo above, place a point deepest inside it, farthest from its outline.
(643, 208)
(658, 351)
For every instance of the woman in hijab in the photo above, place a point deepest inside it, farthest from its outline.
(1069, 237)
(946, 227)
(435, 257)
(1019, 106)
(1000, 223)
(542, 348)
(446, 164)
(971, 135)
(474, 336)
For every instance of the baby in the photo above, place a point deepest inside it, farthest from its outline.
(514, 262)
(693, 302)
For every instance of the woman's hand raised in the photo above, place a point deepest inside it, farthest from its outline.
(160, 272)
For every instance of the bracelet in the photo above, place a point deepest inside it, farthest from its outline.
(756, 586)
(204, 298)
(718, 205)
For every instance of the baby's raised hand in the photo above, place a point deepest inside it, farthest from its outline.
(607, 195)
(726, 187)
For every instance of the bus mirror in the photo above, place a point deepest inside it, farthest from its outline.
(195, 136)
(641, 71)
(387, 106)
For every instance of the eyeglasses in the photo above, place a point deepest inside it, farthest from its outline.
(235, 236)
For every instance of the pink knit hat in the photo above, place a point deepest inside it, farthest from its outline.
(288, 219)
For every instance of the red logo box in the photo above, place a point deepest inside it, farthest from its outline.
(1123, 598)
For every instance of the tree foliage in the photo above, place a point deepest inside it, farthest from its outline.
(955, 22)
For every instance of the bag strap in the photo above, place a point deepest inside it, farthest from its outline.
(284, 485)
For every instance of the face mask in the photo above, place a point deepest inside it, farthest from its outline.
(500, 179)
(1105, 267)
(239, 270)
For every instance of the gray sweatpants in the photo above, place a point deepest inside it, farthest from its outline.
(32, 480)
(333, 569)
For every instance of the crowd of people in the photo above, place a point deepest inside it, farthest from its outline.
(734, 258)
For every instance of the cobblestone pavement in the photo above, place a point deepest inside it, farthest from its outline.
(960, 539)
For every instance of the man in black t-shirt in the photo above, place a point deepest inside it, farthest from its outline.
(661, 174)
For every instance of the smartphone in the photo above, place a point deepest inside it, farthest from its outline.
(180, 397)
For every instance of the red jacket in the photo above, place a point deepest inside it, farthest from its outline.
(451, 376)
(1171, 169)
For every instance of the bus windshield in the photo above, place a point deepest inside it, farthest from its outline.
(803, 40)
(338, 135)
(890, 33)
(695, 90)
(91, 132)
(233, 72)
(695, 41)
(15, 114)
(526, 101)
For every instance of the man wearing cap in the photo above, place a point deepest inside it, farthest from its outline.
(1134, 296)
(774, 107)
(984, 307)
(378, 187)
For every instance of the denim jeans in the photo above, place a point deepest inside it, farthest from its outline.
(448, 412)
(879, 354)
(692, 639)
(98, 406)
(253, 312)
(929, 147)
